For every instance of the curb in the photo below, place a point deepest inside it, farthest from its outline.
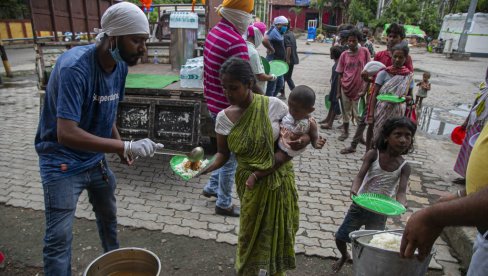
(461, 240)
(18, 73)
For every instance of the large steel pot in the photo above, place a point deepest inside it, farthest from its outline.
(372, 261)
(125, 261)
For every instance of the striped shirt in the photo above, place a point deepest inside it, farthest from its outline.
(222, 43)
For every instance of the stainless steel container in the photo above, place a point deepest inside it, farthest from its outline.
(125, 261)
(184, 33)
(182, 46)
(372, 261)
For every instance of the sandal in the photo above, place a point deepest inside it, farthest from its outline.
(460, 181)
(348, 150)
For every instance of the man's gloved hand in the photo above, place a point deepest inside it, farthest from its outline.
(140, 148)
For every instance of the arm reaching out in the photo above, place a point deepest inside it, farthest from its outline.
(222, 155)
(426, 225)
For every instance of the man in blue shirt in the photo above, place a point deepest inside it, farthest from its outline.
(276, 51)
(77, 127)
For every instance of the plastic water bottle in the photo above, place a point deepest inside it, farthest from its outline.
(155, 59)
(183, 77)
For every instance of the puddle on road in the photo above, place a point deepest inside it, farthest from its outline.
(463, 110)
(429, 122)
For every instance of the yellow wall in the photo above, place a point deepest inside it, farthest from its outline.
(17, 32)
(15, 29)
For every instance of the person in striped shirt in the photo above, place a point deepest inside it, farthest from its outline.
(223, 42)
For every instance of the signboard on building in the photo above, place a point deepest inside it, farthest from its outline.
(302, 2)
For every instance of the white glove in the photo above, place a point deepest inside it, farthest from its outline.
(273, 77)
(140, 148)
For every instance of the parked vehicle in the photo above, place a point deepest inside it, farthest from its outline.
(172, 115)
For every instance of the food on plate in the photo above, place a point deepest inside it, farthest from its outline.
(190, 169)
(194, 166)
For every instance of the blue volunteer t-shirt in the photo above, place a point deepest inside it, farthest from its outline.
(78, 90)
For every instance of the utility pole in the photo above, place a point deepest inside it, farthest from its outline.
(6, 63)
(380, 8)
(467, 25)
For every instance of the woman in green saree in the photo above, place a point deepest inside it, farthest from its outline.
(269, 212)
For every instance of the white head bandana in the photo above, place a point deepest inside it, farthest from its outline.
(123, 19)
(240, 19)
(280, 20)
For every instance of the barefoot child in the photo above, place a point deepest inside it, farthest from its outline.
(294, 126)
(384, 171)
(335, 109)
(424, 87)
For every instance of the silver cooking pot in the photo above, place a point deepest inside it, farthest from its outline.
(372, 261)
(125, 261)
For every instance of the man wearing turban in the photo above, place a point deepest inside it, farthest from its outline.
(223, 42)
(77, 127)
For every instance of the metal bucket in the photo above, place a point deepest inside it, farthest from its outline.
(125, 261)
(373, 261)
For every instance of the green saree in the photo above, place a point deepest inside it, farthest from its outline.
(269, 212)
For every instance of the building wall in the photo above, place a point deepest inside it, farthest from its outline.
(301, 19)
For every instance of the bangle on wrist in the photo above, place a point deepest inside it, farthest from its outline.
(126, 149)
(255, 176)
(130, 154)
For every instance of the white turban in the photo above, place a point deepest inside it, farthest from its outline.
(280, 20)
(123, 19)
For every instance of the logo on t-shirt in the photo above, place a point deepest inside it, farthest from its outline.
(108, 98)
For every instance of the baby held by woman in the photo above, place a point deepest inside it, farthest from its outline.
(296, 129)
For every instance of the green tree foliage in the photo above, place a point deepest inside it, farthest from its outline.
(422, 13)
(361, 11)
(463, 5)
(14, 9)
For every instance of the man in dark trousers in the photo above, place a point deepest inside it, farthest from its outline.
(276, 51)
(291, 58)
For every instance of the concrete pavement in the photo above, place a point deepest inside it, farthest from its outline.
(150, 196)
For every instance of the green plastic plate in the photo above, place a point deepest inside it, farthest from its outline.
(380, 204)
(266, 65)
(278, 67)
(362, 106)
(178, 159)
(390, 98)
(327, 102)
